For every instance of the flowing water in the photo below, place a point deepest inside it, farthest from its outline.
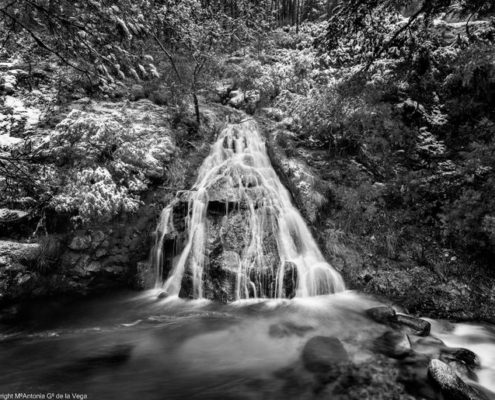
(238, 172)
(130, 346)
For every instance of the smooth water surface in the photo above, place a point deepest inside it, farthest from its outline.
(125, 345)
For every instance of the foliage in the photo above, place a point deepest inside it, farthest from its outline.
(99, 41)
(426, 110)
(94, 195)
(92, 166)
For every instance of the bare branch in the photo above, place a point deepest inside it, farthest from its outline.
(40, 43)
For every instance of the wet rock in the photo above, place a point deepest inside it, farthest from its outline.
(382, 314)
(428, 345)
(413, 375)
(322, 353)
(462, 370)
(464, 355)
(80, 243)
(417, 326)
(451, 385)
(145, 276)
(290, 280)
(70, 259)
(430, 341)
(393, 344)
(162, 295)
(220, 277)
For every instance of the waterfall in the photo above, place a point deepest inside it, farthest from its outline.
(264, 251)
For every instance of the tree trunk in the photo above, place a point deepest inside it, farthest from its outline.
(196, 108)
(298, 15)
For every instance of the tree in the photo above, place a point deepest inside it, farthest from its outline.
(367, 19)
(102, 40)
(191, 35)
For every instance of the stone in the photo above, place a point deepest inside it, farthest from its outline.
(121, 259)
(145, 275)
(18, 251)
(382, 314)
(273, 113)
(464, 355)
(23, 279)
(462, 370)
(322, 353)
(9, 215)
(81, 265)
(451, 385)
(98, 238)
(80, 243)
(162, 295)
(93, 267)
(237, 98)
(418, 326)
(393, 344)
(137, 92)
(101, 253)
(222, 91)
(290, 280)
(114, 269)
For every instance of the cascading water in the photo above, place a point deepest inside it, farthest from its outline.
(269, 249)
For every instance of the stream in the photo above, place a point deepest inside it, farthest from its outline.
(127, 344)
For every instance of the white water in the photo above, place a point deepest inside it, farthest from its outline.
(165, 226)
(239, 169)
(477, 338)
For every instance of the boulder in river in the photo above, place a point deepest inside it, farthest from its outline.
(451, 386)
(382, 314)
(463, 355)
(323, 353)
(417, 326)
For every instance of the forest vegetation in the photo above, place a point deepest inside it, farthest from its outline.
(391, 103)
